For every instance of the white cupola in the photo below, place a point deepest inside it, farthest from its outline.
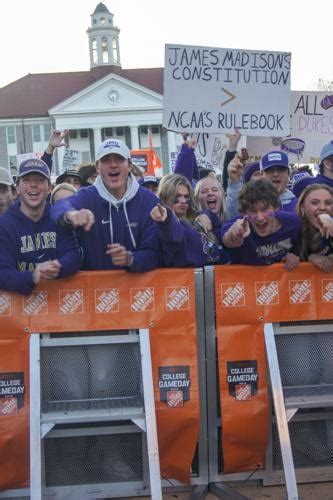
(103, 38)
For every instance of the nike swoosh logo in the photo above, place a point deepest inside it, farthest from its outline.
(40, 256)
(105, 221)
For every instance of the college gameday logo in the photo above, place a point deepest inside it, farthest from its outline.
(327, 290)
(142, 299)
(267, 293)
(35, 304)
(107, 300)
(233, 294)
(71, 302)
(177, 298)
(300, 292)
(5, 304)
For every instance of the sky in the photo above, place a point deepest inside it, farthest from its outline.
(45, 36)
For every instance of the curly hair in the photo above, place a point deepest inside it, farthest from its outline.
(260, 191)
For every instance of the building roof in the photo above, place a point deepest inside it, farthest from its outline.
(101, 8)
(34, 94)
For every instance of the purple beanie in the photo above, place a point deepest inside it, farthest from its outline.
(299, 182)
(249, 169)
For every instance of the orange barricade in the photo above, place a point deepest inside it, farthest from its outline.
(162, 300)
(246, 298)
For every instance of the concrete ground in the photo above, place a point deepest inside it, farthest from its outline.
(254, 491)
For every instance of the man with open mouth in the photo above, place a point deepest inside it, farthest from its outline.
(113, 215)
(33, 248)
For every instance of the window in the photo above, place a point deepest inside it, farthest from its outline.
(114, 50)
(155, 129)
(12, 161)
(47, 131)
(85, 155)
(94, 50)
(73, 134)
(105, 50)
(144, 130)
(36, 133)
(11, 136)
(84, 133)
(102, 20)
(119, 131)
(108, 132)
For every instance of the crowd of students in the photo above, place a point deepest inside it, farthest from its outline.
(103, 217)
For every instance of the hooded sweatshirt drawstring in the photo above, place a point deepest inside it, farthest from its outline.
(132, 189)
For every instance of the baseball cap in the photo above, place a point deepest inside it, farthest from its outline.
(67, 173)
(5, 177)
(326, 151)
(33, 166)
(113, 146)
(274, 159)
(148, 179)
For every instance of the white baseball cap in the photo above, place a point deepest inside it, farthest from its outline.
(113, 146)
(5, 177)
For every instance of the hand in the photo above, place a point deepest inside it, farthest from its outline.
(81, 218)
(323, 262)
(236, 234)
(290, 261)
(189, 140)
(235, 169)
(56, 140)
(233, 140)
(205, 222)
(159, 213)
(326, 225)
(48, 270)
(119, 255)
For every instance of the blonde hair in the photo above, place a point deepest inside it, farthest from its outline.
(310, 237)
(63, 185)
(199, 185)
(167, 192)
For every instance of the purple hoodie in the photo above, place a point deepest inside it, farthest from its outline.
(125, 221)
(25, 243)
(183, 245)
(186, 164)
(264, 250)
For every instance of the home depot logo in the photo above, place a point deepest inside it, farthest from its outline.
(177, 298)
(107, 301)
(233, 294)
(300, 292)
(327, 290)
(142, 299)
(71, 302)
(267, 292)
(5, 304)
(35, 304)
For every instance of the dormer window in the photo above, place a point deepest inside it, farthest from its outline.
(102, 20)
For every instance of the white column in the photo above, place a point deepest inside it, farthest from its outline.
(97, 139)
(172, 147)
(135, 138)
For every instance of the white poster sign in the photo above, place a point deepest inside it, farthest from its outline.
(311, 128)
(72, 157)
(26, 156)
(215, 90)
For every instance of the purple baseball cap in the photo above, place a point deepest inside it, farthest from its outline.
(34, 166)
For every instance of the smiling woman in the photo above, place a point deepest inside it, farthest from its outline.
(315, 207)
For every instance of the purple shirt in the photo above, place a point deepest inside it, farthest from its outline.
(264, 250)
